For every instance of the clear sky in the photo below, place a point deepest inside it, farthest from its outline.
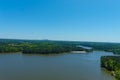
(77, 20)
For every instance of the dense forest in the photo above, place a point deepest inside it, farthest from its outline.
(38, 46)
(112, 63)
(103, 46)
(49, 46)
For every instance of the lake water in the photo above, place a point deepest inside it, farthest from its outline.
(18, 66)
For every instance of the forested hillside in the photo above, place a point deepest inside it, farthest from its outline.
(112, 63)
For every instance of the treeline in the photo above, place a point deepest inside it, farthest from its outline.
(7, 49)
(38, 47)
(48, 46)
(110, 47)
(10, 47)
(112, 63)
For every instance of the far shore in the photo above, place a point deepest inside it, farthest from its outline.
(78, 52)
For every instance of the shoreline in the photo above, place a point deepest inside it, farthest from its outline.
(78, 52)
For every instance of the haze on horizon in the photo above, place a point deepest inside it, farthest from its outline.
(74, 20)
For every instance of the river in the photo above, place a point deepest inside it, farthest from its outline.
(67, 66)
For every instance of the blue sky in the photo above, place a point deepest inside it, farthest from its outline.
(75, 20)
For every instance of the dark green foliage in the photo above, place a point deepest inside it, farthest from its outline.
(112, 63)
(45, 49)
(47, 46)
(109, 47)
(38, 46)
(9, 48)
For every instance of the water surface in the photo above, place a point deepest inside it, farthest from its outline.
(17, 66)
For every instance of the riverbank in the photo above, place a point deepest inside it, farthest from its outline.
(112, 64)
(78, 52)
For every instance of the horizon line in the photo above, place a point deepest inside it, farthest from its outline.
(56, 40)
